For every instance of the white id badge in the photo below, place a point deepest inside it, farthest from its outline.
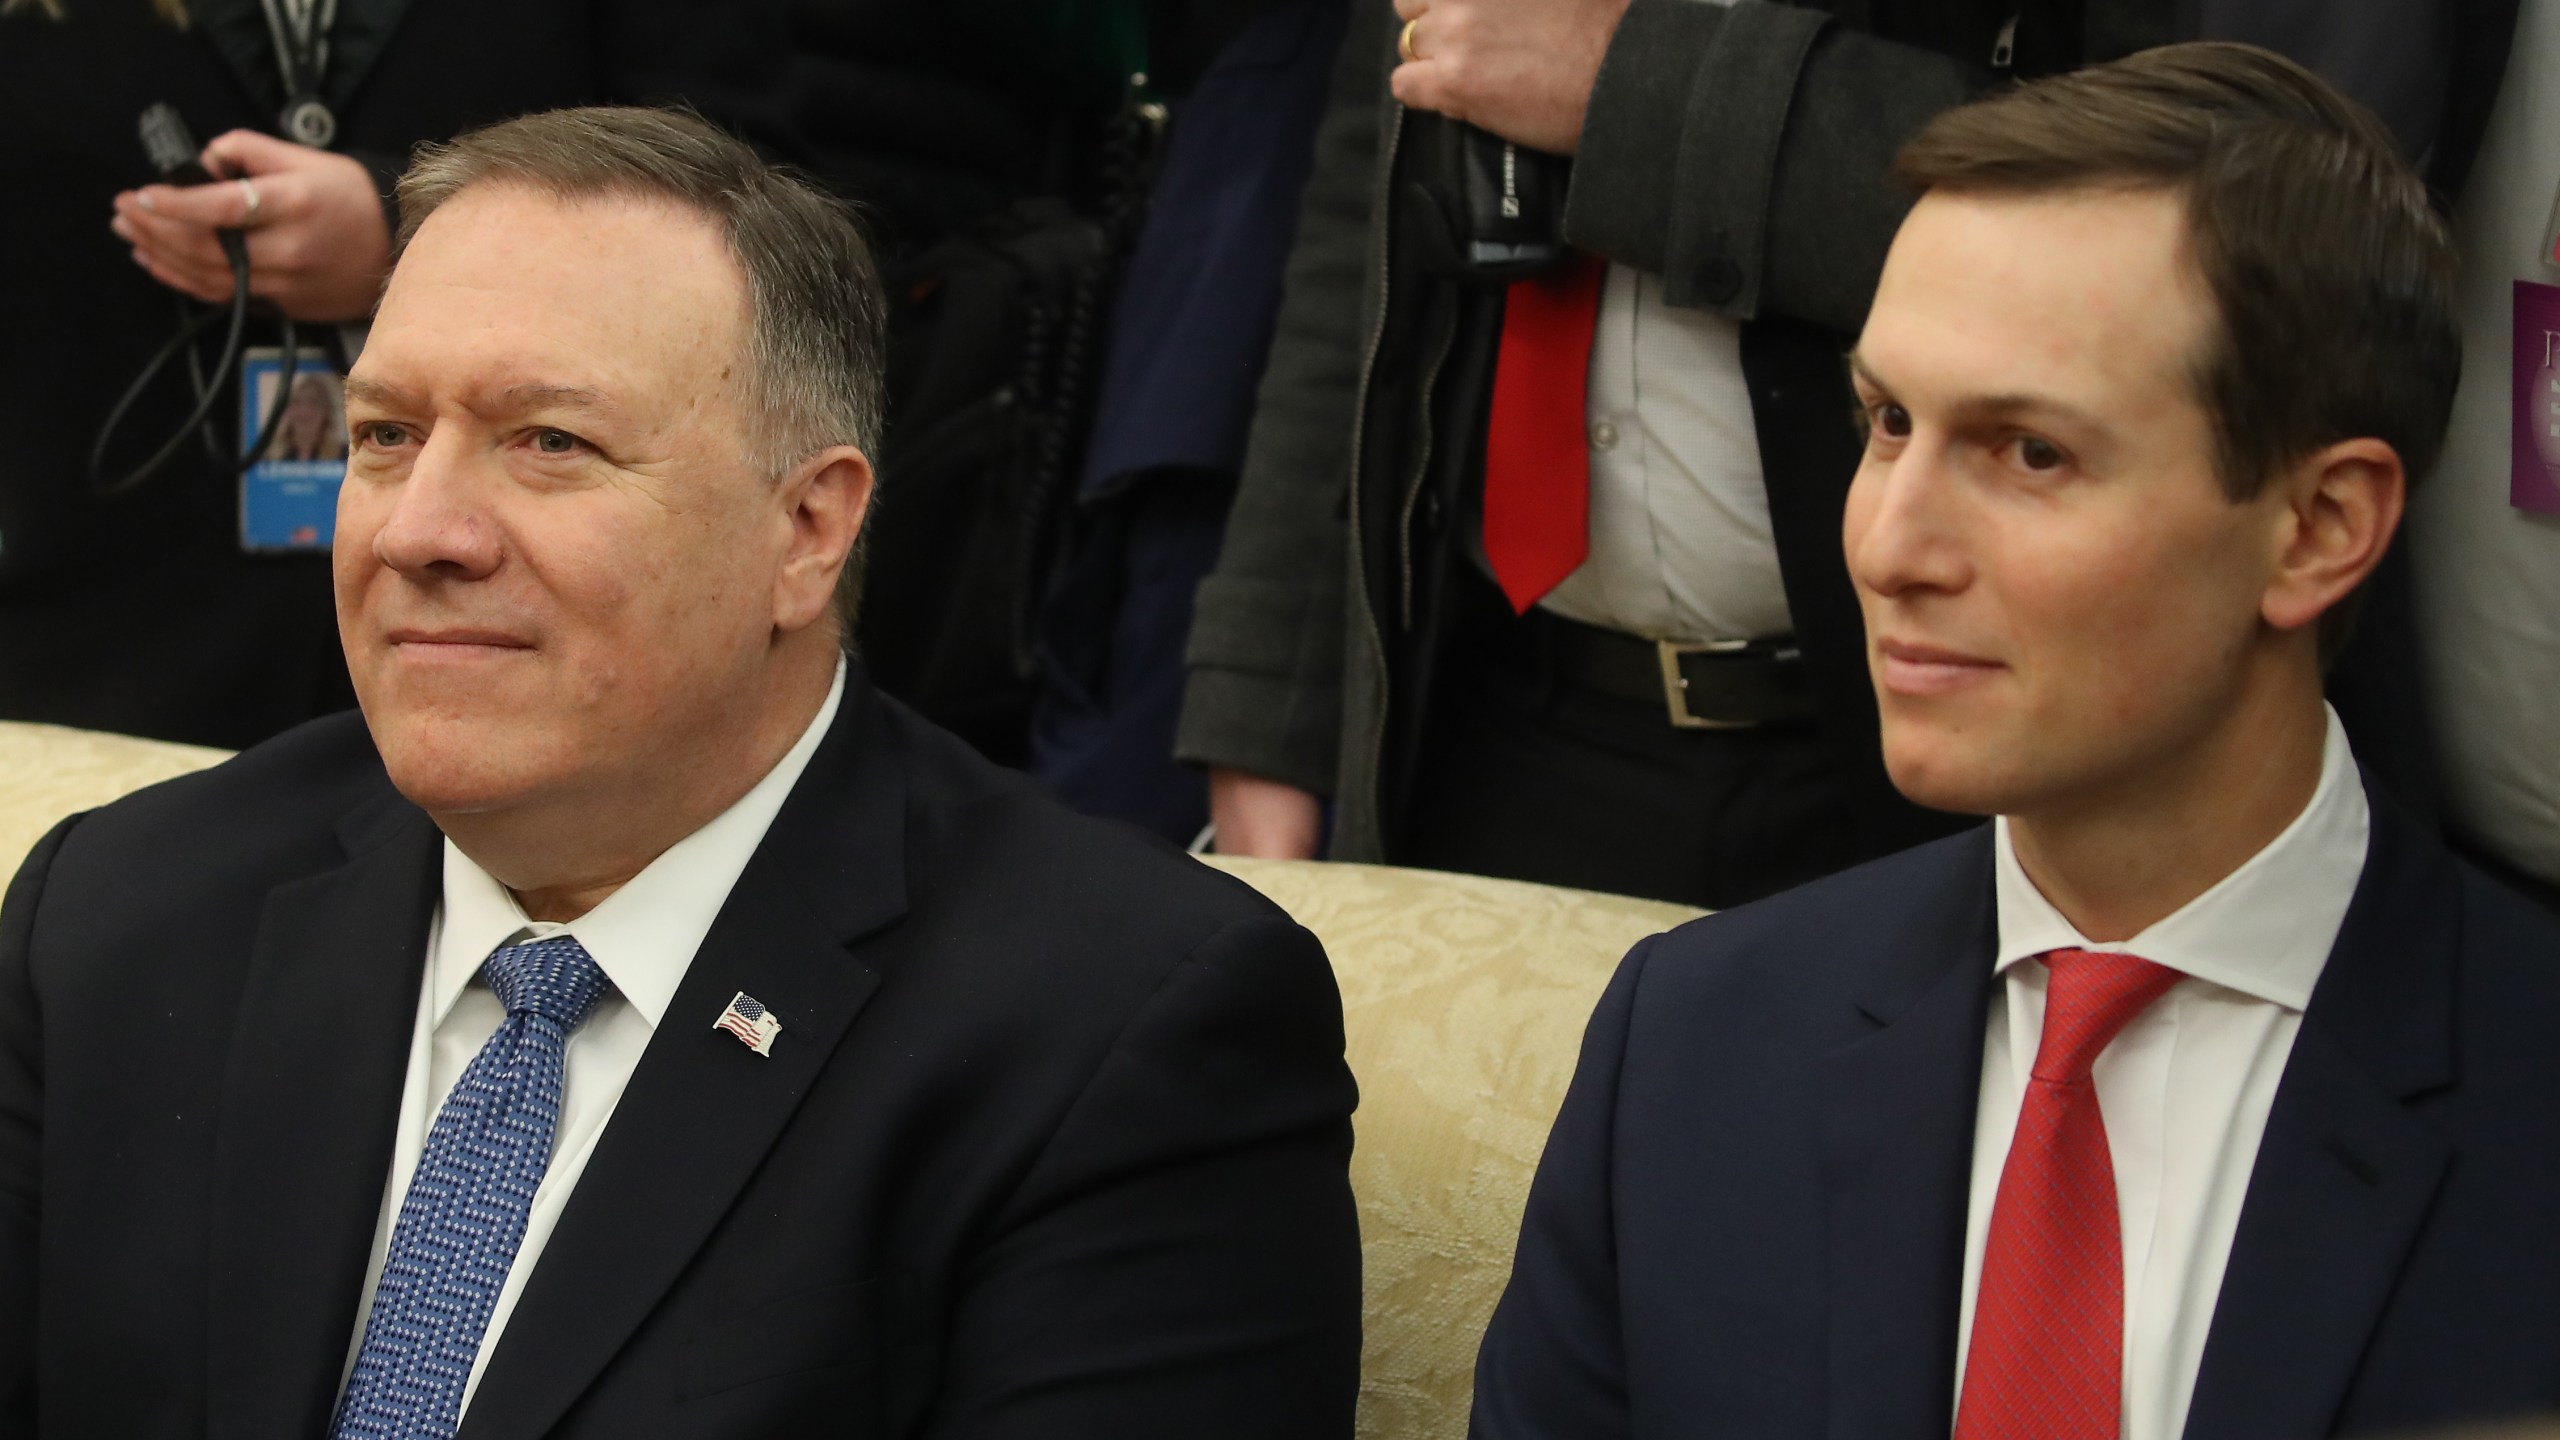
(289, 497)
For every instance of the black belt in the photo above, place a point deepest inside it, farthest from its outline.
(1701, 684)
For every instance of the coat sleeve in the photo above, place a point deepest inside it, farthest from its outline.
(1553, 1361)
(1743, 153)
(1265, 657)
(21, 1137)
(1183, 1259)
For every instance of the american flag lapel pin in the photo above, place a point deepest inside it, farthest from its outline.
(754, 1025)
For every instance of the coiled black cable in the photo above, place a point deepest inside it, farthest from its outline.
(164, 137)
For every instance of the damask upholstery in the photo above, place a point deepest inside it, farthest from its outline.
(47, 772)
(1463, 1001)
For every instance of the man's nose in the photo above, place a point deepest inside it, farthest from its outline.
(1904, 532)
(441, 525)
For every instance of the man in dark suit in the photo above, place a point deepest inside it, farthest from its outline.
(633, 1025)
(2202, 1093)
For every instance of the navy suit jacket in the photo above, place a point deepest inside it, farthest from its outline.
(1750, 1219)
(1052, 1143)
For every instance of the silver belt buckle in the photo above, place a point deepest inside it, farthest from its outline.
(1675, 686)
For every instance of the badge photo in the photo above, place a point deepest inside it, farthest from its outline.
(289, 495)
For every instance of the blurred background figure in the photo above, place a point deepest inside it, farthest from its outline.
(141, 611)
(1190, 327)
(2487, 532)
(1085, 209)
(1634, 662)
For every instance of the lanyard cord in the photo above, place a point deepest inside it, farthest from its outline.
(173, 154)
(300, 29)
(208, 393)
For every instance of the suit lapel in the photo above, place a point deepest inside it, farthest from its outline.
(2346, 1172)
(319, 1053)
(702, 1109)
(1898, 1110)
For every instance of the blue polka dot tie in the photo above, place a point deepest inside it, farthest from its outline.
(465, 1212)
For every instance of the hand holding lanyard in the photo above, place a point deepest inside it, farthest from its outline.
(173, 154)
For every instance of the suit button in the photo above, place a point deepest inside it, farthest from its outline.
(1604, 436)
(1719, 280)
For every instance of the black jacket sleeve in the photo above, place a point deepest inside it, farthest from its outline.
(21, 1138)
(1265, 657)
(1204, 1160)
(1743, 153)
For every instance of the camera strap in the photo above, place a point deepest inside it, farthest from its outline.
(300, 30)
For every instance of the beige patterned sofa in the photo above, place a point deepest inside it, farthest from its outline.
(1464, 1000)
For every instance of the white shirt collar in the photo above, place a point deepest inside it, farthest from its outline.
(644, 935)
(2265, 929)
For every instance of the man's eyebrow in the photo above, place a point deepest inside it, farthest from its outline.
(375, 393)
(2001, 407)
(535, 396)
(1993, 407)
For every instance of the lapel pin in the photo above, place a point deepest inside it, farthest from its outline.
(754, 1025)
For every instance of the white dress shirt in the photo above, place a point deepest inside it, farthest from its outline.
(643, 936)
(1680, 540)
(2186, 1086)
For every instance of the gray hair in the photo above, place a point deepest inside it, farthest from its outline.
(817, 316)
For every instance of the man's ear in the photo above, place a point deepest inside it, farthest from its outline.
(824, 497)
(2342, 505)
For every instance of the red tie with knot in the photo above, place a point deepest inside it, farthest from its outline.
(1537, 464)
(2047, 1357)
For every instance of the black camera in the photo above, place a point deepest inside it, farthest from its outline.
(1485, 209)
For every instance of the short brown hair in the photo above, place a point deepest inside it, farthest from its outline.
(817, 317)
(2332, 273)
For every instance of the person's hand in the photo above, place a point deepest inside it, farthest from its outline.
(318, 247)
(1522, 69)
(1263, 818)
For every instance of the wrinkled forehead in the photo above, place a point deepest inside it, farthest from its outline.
(506, 285)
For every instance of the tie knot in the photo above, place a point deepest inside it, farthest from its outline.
(556, 979)
(2093, 995)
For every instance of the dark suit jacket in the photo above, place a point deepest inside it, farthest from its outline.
(1750, 1219)
(1053, 1142)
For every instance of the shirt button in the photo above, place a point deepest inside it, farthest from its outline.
(1604, 436)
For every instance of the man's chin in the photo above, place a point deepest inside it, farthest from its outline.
(1945, 777)
(453, 768)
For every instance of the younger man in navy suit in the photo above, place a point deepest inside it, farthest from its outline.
(2200, 1093)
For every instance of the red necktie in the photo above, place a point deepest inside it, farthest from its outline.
(1537, 471)
(2047, 1356)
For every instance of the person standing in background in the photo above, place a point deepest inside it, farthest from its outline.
(1649, 677)
(2487, 532)
(141, 612)
(1190, 327)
